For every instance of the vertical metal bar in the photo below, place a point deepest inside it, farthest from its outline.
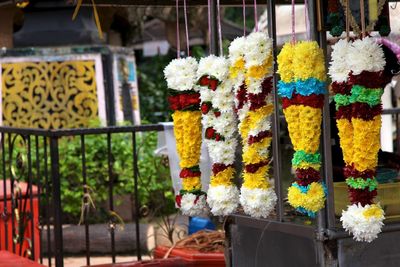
(111, 194)
(30, 181)
(397, 134)
(39, 193)
(326, 141)
(85, 191)
(47, 199)
(55, 177)
(136, 191)
(4, 216)
(10, 157)
(276, 147)
(108, 63)
(214, 27)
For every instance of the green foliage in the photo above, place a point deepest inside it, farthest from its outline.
(154, 182)
(153, 89)
(153, 179)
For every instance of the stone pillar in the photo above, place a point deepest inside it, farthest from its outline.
(6, 27)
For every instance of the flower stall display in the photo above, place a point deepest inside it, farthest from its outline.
(251, 73)
(302, 87)
(184, 100)
(219, 122)
(357, 72)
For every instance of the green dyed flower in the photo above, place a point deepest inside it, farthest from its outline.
(366, 95)
(341, 100)
(301, 156)
(360, 183)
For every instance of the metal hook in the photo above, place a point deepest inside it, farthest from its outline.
(395, 6)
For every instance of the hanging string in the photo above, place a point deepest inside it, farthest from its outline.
(293, 23)
(186, 28)
(362, 10)
(347, 20)
(244, 17)
(221, 52)
(178, 38)
(209, 26)
(307, 20)
(255, 15)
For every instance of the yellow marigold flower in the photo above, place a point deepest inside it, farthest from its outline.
(236, 68)
(304, 124)
(285, 62)
(308, 61)
(257, 179)
(253, 153)
(346, 139)
(191, 183)
(366, 143)
(313, 200)
(374, 211)
(223, 178)
(187, 130)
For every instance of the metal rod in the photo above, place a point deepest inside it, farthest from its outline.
(39, 193)
(214, 27)
(276, 146)
(85, 200)
(10, 158)
(57, 209)
(47, 197)
(136, 198)
(5, 211)
(31, 198)
(111, 195)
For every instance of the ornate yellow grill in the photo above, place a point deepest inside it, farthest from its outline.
(49, 94)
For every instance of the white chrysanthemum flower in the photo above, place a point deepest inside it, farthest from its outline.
(339, 69)
(237, 48)
(254, 86)
(193, 205)
(258, 203)
(214, 66)
(222, 151)
(365, 223)
(365, 55)
(223, 200)
(206, 95)
(242, 113)
(258, 48)
(263, 125)
(181, 74)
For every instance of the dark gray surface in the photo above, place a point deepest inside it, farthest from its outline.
(383, 251)
(254, 247)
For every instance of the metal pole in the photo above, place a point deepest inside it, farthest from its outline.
(276, 117)
(55, 177)
(214, 27)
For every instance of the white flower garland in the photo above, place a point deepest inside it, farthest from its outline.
(223, 199)
(180, 74)
(193, 205)
(364, 228)
(339, 69)
(256, 50)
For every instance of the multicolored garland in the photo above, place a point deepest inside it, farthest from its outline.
(251, 70)
(219, 120)
(358, 80)
(302, 88)
(184, 100)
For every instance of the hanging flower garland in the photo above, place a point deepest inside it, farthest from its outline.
(302, 88)
(184, 100)
(219, 121)
(251, 69)
(358, 80)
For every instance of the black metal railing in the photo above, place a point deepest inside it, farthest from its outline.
(32, 198)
